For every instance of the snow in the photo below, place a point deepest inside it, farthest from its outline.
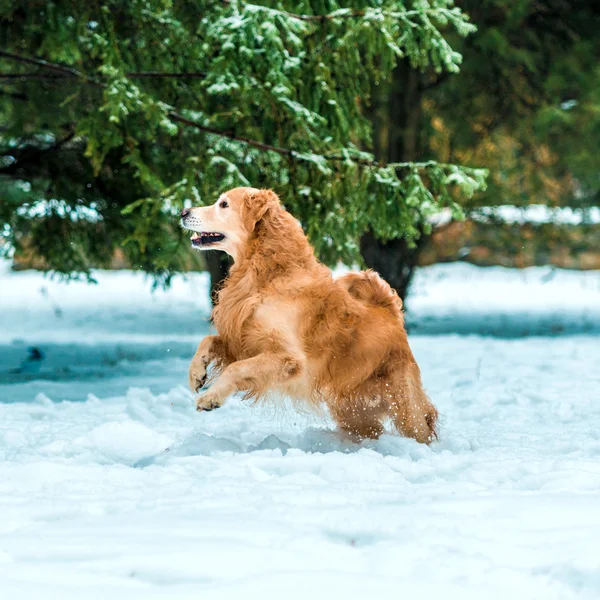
(111, 485)
(531, 213)
(41, 208)
(540, 213)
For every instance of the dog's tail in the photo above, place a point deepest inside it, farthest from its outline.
(368, 287)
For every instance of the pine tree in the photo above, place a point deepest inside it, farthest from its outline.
(116, 114)
(526, 106)
(529, 85)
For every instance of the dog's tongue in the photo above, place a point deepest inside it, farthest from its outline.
(195, 236)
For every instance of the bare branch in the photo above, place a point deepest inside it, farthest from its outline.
(60, 72)
(35, 155)
(357, 159)
(161, 75)
(15, 95)
(232, 136)
(66, 71)
(33, 76)
(130, 75)
(263, 146)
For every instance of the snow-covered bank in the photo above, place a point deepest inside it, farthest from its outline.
(445, 298)
(251, 502)
(462, 298)
(110, 335)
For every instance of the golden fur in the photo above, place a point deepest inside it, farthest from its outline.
(285, 325)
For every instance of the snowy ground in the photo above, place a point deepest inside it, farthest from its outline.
(260, 503)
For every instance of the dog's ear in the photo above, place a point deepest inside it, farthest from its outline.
(256, 205)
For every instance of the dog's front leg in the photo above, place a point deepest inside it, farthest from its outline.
(254, 375)
(209, 350)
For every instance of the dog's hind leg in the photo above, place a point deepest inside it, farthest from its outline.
(358, 420)
(411, 410)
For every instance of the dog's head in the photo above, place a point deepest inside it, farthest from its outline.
(229, 223)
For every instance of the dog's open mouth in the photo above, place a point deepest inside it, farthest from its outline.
(206, 238)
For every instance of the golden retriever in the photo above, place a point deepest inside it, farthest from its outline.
(285, 325)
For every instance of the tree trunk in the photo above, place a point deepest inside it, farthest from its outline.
(397, 126)
(403, 115)
(218, 264)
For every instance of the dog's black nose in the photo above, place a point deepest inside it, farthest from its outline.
(185, 212)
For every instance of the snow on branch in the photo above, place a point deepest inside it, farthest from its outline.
(359, 158)
(445, 14)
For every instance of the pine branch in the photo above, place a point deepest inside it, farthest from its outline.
(255, 143)
(130, 75)
(15, 95)
(29, 157)
(289, 15)
(345, 13)
(33, 76)
(161, 75)
(60, 72)
(179, 118)
(288, 152)
(232, 136)
(174, 116)
(66, 71)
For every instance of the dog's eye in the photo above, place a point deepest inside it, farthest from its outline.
(224, 204)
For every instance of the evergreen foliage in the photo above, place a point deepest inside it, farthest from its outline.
(529, 85)
(116, 114)
(526, 106)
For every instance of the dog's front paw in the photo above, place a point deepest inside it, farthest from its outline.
(208, 401)
(197, 375)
